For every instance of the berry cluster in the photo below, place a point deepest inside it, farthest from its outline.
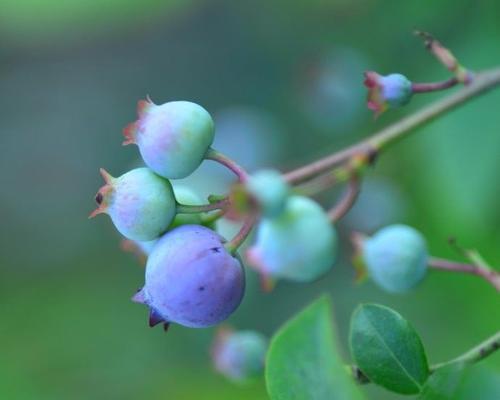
(191, 278)
(196, 278)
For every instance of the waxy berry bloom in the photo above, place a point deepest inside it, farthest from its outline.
(173, 138)
(239, 355)
(191, 279)
(140, 203)
(396, 257)
(299, 245)
(392, 90)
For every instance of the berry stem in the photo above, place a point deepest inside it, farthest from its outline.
(478, 353)
(212, 217)
(481, 83)
(227, 162)
(248, 224)
(481, 351)
(433, 86)
(354, 166)
(191, 209)
(347, 201)
(490, 275)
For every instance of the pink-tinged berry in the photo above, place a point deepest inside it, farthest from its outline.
(140, 203)
(239, 355)
(191, 279)
(173, 137)
(394, 90)
(299, 245)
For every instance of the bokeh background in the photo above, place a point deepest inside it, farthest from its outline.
(283, 80)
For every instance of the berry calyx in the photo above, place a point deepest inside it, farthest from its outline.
(173, 137)
(140, 203)
(396, 257)
(191, 279)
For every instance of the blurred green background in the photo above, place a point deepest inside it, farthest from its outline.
(283, 80)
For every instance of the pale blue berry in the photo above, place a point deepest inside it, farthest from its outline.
(299, 245)
(140, 203)
(191, 279)
(396, 89)
(173, 137)
(392, 90)
(270, 191)
(239, 355)
(396, 257)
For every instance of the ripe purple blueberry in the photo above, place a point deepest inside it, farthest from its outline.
(140, 203)
(191, 279)
(173, 137)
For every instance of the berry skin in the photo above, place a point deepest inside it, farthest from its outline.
(183, 195)
(173, 137)
(299, 245)
(396, 258)
(394, 90)
(269, 190)
(140, 203)
(191, 279)
(239, 355)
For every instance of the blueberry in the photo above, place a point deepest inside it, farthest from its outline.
(392, 90)
(191, 279)
(239, 355)
(396, 257)
(299, 245)
(270, 191)
(173, 137)
(140, 203)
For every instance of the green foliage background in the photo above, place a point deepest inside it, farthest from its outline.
(69, 79)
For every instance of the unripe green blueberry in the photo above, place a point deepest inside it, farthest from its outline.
(173, 137)
(140, 203)
(191, 279)
(299, 245)
(396, 257)
(183, 195)
(239, 355)
(270, 191)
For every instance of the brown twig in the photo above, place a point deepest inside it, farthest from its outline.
(481, 83)
(490, 275)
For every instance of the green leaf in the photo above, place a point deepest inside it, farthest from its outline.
(303, 362)
(444, 383)
(387, 349)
